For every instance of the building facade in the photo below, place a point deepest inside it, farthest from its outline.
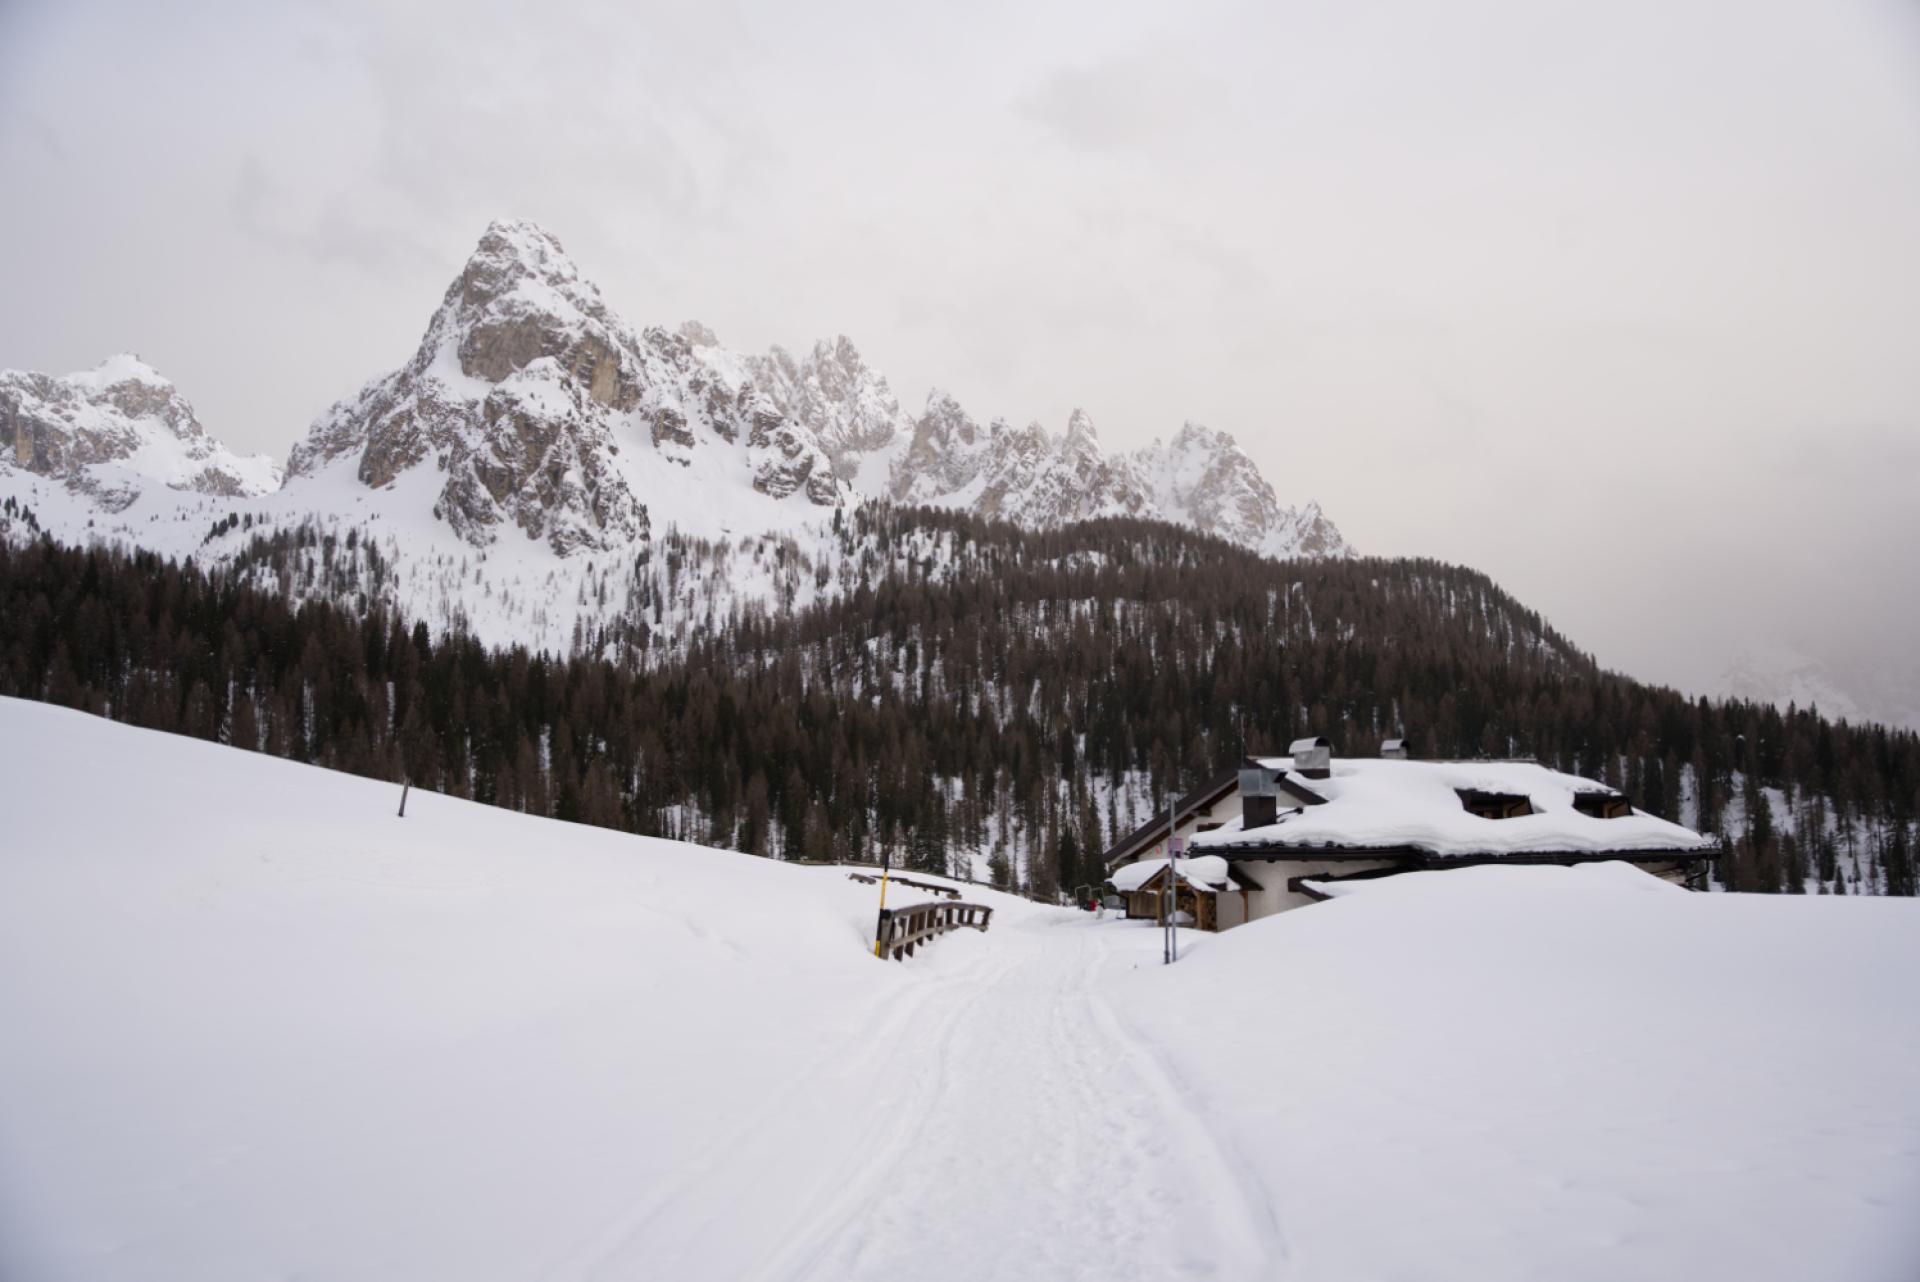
(1280, 828)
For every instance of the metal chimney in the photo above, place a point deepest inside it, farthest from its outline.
(1312, 758)
(1259, 795)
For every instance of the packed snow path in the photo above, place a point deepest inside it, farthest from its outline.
(1034, 1136)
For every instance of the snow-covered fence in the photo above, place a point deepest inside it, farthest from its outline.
(902, 928)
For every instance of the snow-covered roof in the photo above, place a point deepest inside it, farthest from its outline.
(1399, 805)
(1202, 872)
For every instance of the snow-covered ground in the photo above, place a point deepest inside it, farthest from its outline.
(256, 1025)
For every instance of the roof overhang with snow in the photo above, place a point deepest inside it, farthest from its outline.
(1207, 795)
(1205, 873)
(1413, 811)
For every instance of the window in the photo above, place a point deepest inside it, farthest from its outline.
(1494, 805)
(1602, 805)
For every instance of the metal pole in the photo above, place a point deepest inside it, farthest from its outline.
(1166, 888)
(1173, 876)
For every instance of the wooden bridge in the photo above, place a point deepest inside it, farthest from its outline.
(903, 928)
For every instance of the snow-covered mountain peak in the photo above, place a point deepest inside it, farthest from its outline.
(121, 367)
(544, 409)
(534, 422)
(1198, 436)
(1202, 478)
(512, 247)
(843, 403)
(109, 431)
(1204, 474)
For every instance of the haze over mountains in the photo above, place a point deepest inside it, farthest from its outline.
(533, 408)
(534, 424)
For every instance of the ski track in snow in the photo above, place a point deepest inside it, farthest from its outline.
(944, 1176)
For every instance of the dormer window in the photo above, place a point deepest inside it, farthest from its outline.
(1602, 805)
(1494, 805)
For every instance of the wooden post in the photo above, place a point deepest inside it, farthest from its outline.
(886, 861)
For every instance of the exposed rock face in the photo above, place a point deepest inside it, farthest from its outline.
(1201, 479)
(945, 457)
(106, 431)
(1206, 477)
(532, 408)
(836, 397)
(527, 389)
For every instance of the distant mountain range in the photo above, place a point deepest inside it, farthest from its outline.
(535, 439)
(112, 432)
(532, 413)
(1781, 674)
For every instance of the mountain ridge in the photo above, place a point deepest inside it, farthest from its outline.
(538, 407)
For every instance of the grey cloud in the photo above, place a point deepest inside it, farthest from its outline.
(1580, 295)
(1122, 102)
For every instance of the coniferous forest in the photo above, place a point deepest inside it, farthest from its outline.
(1026, 707)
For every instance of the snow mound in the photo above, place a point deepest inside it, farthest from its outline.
(1206, 871)
(1506, 1073)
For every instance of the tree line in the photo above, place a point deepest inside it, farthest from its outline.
(1023, 697)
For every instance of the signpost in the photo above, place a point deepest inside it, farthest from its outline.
(1174, 876)
(1169, 896)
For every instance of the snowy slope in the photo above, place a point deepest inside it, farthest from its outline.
(1523, 1073)
(259, 1026)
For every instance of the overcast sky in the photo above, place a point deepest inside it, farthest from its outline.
(1617, 302)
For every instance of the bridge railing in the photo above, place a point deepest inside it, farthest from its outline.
(901, 930)
(949, 891)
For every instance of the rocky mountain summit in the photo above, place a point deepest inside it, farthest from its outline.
(532, 408)
(1202, 479)
(944, 458)
(540, 408)
(110, 430)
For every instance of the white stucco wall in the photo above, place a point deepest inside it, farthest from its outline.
(1273, 895)
(1228, 807)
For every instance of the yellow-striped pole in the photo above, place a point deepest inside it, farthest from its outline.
(885, 864)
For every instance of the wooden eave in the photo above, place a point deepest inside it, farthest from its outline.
(1153, 883)
(1201, 798)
